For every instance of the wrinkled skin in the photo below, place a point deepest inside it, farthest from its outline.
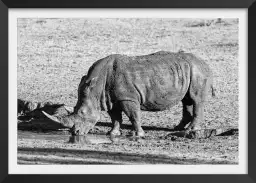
(154, 82)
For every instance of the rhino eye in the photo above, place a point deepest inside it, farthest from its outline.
(83, 112)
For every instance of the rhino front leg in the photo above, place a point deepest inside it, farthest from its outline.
(116, 118)
(132, 110)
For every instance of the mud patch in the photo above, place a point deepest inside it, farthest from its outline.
(90, 139)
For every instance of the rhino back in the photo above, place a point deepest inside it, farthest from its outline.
(157, 81)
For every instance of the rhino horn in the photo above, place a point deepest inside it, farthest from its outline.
(66, 122)
(69, 109)
(53, 118)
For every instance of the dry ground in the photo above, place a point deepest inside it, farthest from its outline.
(53, 55)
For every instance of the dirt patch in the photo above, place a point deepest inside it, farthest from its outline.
(59, 149)
(160, 146)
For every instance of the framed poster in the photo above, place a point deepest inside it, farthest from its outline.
(56, 47)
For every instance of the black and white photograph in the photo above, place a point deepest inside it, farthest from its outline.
(145, 90)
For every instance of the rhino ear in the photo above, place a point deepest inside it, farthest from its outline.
(84, 78)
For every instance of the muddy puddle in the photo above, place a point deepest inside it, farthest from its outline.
(67, 138)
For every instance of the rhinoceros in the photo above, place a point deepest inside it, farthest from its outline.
(131, 84)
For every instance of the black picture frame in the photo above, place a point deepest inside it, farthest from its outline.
(5, 5)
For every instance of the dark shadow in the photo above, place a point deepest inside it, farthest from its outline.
(29, 160)
(49, 125)
(229, 132)
(40, 125)
(105, 156)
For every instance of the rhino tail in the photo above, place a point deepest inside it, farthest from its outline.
(213, 91)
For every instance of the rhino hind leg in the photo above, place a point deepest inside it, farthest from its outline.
(198, 92)
(187, 114)
(198, 117)
(132, 110)
(116, 118)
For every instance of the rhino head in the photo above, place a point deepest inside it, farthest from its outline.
(86, 112)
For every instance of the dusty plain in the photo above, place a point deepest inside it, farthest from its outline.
(53, 55)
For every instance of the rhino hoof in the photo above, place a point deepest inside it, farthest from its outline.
(114, 133)
(192, 128)
(140, 134)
